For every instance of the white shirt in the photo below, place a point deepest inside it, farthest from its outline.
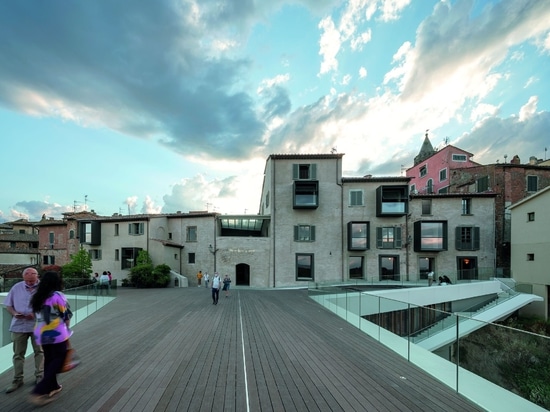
(216, 282)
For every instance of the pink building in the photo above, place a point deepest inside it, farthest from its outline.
(432, 168)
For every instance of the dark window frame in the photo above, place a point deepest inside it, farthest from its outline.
(353, 236)
(421, 229)
(305, 272)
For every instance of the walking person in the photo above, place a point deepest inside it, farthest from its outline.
(216, 283)
(226, 284)
(199, 278)
(52, 331)
(430, 278)
(18, 304)
(206, 280)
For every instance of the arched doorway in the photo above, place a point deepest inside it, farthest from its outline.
(242, 274)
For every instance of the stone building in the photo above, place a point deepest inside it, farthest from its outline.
(511, 182)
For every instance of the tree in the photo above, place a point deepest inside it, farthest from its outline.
(79, 267)
(145, 275)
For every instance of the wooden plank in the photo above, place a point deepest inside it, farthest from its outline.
(172, 350)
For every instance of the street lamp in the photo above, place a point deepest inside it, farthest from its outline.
(213, 251)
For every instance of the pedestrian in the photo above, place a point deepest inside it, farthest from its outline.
(430, 278)
(199, 278)
(110, 278)
(206, 280)
(52, 331)
(447, 280)
(104, 283)
(18, 304)
(216, 283)
(226, 284)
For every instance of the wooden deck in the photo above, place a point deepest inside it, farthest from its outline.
(257, 350)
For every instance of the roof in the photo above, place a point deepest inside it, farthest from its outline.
(379, 179)
(307, 156)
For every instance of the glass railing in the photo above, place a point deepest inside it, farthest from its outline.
(83, 301)
(471, 356)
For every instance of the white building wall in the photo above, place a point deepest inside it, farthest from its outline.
(531, 240)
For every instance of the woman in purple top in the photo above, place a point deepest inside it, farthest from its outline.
(52, 332)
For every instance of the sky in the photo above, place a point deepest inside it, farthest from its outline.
(175, 105)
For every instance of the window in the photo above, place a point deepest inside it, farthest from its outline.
(356, 198)
(95, 254)
(51, 237)
(389, 267)
(267, 200)
(467, 267)
(482, 184)
(388, 237)
(443, 175)
(90, 232)
(426, 206)
(129, 256)
(356, 270)
(191, 233)
(466, 206)
(116, 229)
(530, 256)
(304, 266)
(413, 189)
(531, 216)
(423, 171)
(392, 200)
(430, 236)
(430, 186)
(13, 245)
(532, 183)
(467, 238)
(117, 255)
(170, 235)
(175, 256)
(71, 234)
(304, 171)
(459, 158)
(48, 260)
(190, 258)
(135, 228)
(358, 235)
(304, 233)
(443, 190)
(22, 231)
(306, 194)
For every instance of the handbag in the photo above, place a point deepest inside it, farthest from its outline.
(72, 360)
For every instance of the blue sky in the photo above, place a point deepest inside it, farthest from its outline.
(172, 106)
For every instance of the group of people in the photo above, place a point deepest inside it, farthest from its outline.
(443, 280)
(40, 313)
(103, 282)
(217, 284)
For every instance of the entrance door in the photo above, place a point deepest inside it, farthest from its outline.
(242, 274)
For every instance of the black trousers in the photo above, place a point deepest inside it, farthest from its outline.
(215, 295)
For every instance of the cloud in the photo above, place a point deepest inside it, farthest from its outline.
(217, 195)
(134, 75)
(454, 47)
(35, 209)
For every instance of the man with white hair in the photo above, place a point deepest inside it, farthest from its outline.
(18, 304)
